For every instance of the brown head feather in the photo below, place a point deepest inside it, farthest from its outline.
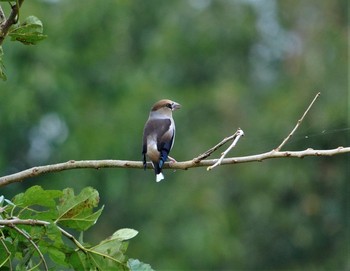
(165, 103)
(161, 103)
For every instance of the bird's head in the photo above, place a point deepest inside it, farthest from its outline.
(164, 107)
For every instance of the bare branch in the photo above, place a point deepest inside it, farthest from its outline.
(17, 221)
(97, 164)
(195, 162)
(298, 123)
(238, 134)
(211, 150)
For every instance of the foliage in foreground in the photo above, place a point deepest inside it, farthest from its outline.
(29, 32)
(34, 233)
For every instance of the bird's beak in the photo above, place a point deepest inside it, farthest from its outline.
(175, 106)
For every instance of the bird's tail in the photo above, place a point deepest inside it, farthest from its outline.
(158, 172)
(159, 177)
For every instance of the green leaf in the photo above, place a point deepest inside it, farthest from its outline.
(28, 32)
(2, 67)
(99, 262)
(35, 195)
(72, 211)
(5, 253)
(76, 212)
(57, 256)
(54, 234)
(113, 248)
(114, 244)
(124, 234)
(79, 261)
(136, 265)
(29, 205)
(109, 253)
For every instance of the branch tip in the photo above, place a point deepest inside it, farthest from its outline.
(298, 123)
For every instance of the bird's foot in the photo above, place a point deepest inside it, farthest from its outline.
(171, 160)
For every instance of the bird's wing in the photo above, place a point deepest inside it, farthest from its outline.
(164, 134)
(144, 149)
(165, 142)
(160, 129)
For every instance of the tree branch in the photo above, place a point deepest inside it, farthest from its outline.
(238, 134)
(12, 19)
(97, 164)
(213, 149)
(298, 123)
(33, 222)
(195, 162)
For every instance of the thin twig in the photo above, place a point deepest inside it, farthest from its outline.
(211, 150)
(298, 123)
(239, 133)
(16, 221)
(33, 244)
(2, 16)
(7, 252)
(72, 238)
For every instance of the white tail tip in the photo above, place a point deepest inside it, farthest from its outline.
(159, 177)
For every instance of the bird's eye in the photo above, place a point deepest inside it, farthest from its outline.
(169, 105)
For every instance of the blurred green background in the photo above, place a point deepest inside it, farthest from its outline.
(85, 93)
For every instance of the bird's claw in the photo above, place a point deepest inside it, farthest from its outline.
(171, 160)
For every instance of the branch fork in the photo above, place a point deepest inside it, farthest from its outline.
(237, 136)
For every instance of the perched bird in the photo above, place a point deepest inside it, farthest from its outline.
(159, 135)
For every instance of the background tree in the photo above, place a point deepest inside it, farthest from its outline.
(85, 92)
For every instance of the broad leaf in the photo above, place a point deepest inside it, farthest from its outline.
(100, 262)
(79, 261)
(28, 32)
(76, 212)
(57, 256)
(112, 244)
(5, 255)
(110, 252)
(54, 234)
(136, 265)
(124, 234)
(35, 195)
(111, 248)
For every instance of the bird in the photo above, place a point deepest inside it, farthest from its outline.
(159, 135)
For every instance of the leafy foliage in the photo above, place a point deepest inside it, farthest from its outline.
(30, 31)
(32, 232)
